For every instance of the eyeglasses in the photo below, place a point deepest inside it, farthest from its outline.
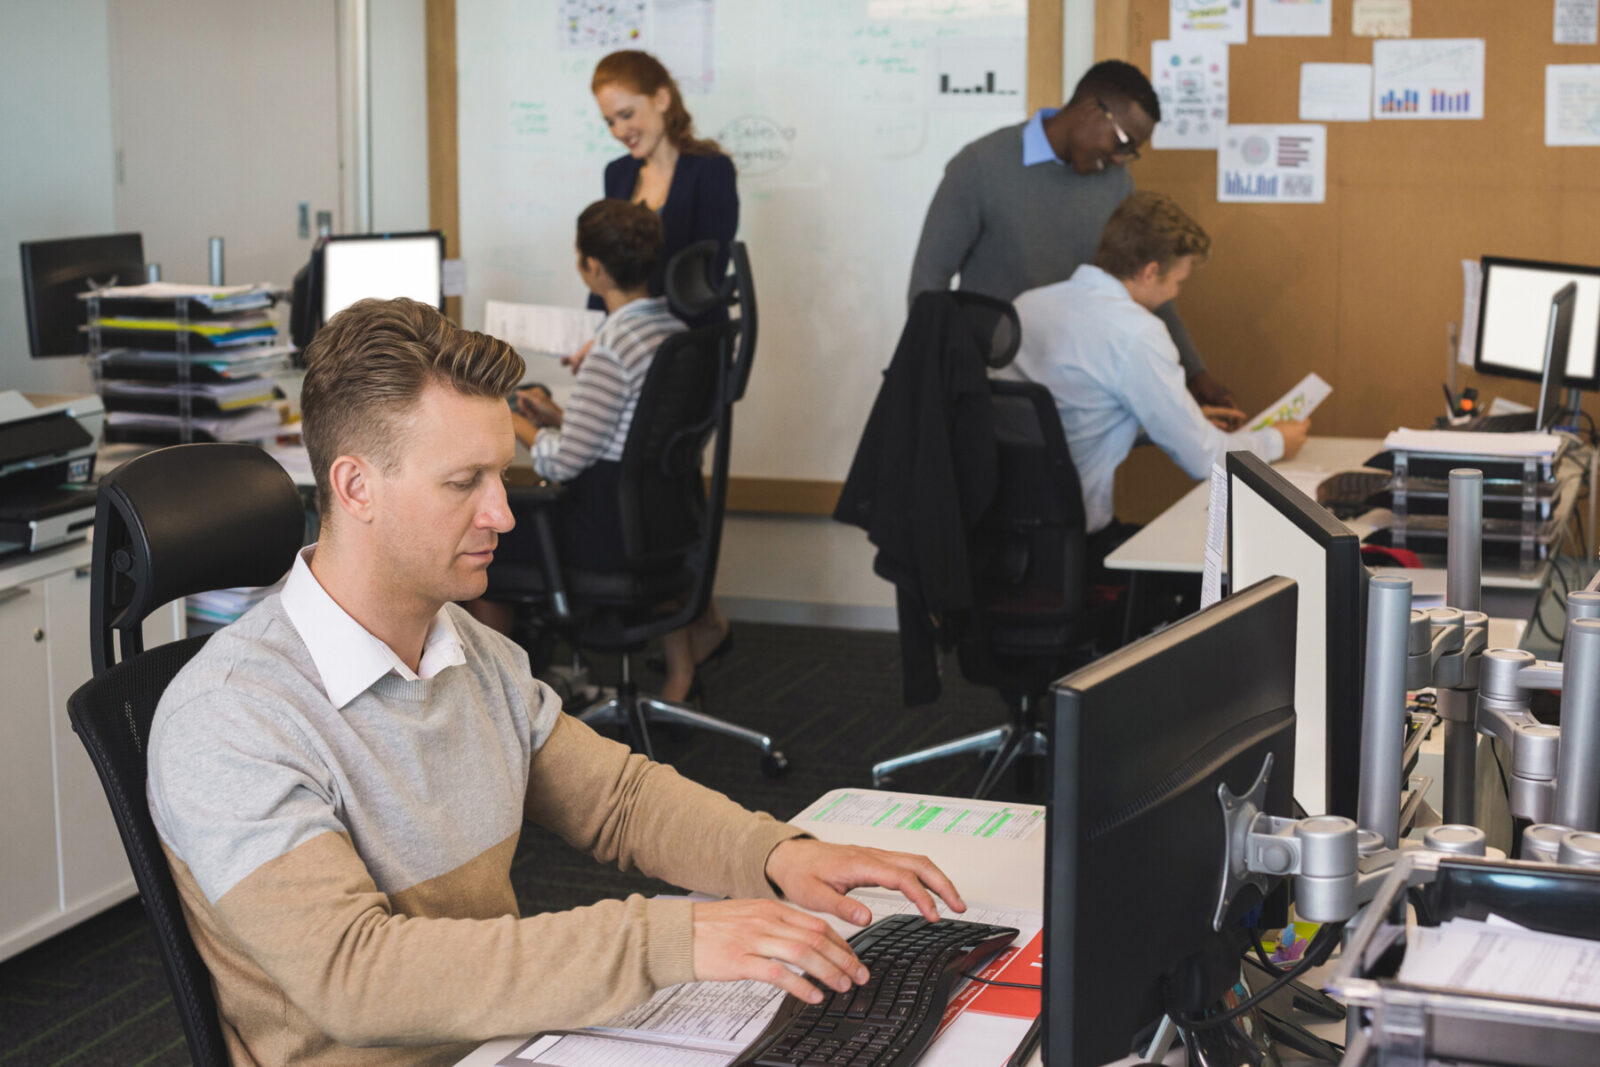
(1125, 150)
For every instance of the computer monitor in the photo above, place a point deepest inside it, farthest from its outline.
(1136, 848)
(1274, 528)
(1513, 314)
(382, 265)
(55, 272)
(1557, 346)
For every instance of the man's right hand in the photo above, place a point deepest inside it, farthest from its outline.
(736, 939)
(1293, 434)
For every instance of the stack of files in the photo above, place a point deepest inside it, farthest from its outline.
(166, 334)
(202, 300)
(143, 427)
(205, 398)
(228, 364)
(222, 606)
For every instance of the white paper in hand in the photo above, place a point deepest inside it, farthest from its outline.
(542, 328)
(1295, 405)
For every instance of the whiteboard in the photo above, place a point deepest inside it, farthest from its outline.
(834, 115)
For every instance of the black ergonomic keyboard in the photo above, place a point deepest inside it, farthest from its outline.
(913, 967)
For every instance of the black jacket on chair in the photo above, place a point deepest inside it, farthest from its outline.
(924, 474)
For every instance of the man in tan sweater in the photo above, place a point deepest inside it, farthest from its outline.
(339, 778)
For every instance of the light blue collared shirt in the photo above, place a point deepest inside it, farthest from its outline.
(1035, 145)
(1113, 369)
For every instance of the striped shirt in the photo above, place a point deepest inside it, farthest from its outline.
(595, 424)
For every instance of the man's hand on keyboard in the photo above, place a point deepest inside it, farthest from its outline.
(816, 875)
(735, 939)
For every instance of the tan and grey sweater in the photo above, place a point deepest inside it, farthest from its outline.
(346, 872)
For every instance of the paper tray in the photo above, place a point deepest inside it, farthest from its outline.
(1415, 1025)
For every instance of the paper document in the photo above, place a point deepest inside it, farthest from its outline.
(1191, 81)
(1577, 22)
(1335, 92)
(1216, 538)
(1273, 164)
(1295, 405)
(1428, 79)
(1471, 292)
(213, 297)
(1004, 822)
(1380, 18)
(1454, 442)
(543, 328)
(1572, 104)
(1294, 18)
(1504, 959)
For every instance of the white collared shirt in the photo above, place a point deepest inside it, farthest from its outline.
(1112, 368)
(347, 655)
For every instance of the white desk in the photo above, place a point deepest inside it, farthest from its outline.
(1174, 541)
(990, 871)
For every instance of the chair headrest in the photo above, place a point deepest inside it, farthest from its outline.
(691, 289)
(192, 518)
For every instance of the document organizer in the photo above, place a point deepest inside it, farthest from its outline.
(1416, 1025)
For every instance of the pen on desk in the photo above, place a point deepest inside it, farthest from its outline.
(1030, 1041)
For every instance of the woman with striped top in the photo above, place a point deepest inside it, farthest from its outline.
(619, 250)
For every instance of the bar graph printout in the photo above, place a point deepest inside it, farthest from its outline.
(1428, 78)
(1273, 164)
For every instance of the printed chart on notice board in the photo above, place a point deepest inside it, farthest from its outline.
(1428, 79)
(1273, 164)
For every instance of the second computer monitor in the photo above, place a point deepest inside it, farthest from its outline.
(1275, 529)
(55, 273)
(1514, 313)
(356, 266)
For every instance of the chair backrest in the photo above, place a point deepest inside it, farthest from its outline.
(177, 521)
(694, 288)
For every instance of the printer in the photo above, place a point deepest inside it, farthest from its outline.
(47, 452)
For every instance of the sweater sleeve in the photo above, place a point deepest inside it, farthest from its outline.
(644, 815)
(952, 226)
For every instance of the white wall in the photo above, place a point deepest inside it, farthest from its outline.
(57, 166)
(801, 569)
(398, 76)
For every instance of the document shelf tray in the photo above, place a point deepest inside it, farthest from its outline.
(1414, 1025)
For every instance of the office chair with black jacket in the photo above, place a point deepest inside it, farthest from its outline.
(174, 522)
(1007, 580)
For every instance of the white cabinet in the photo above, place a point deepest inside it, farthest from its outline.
(61, 859)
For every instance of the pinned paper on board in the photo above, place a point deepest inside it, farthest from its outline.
(1471, 293)
(1335, 92)
(1296, 405)
(1577, 22)
(1191, 81)
(1294, 18)
(1273, 165)
(603, 24)
(1572, 104)
(1215, 20)
(684, 39)
(1381, 18)
(1428, 79)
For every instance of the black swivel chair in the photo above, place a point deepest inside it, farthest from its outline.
(671, 517)
(1028, 625)
(174, 522)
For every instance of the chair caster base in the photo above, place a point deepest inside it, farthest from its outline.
(774, 764)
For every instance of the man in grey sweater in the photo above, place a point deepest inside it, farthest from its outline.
(1024, 206)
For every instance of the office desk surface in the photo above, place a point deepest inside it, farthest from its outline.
(1174, 541)
(987, 870)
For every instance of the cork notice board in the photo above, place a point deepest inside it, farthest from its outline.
(1363, 287)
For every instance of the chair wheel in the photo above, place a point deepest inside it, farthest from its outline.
(774, 764)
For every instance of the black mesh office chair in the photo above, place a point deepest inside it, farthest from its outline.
(171, 523)
(671, 518)
(1028, 625)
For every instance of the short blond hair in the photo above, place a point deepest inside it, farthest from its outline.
(371, 362)
(1149, 228)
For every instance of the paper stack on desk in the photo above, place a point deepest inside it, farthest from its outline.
(1501, 958)
(1466, 442)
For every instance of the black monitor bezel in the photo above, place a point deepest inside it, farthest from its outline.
(1591, 383)
(1346, 578)
(342, 238)
(1274, 599)
(30, 250)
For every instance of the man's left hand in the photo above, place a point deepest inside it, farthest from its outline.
(1210, 392)
(816, 875)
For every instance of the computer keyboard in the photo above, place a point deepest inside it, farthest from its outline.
(1511, 422)
(913, 968)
